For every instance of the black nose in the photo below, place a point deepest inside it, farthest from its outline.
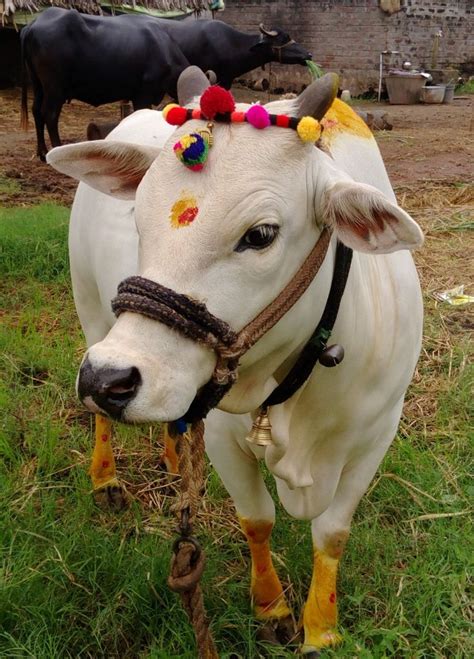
(110, 388)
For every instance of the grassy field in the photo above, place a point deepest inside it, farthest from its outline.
(76, 582)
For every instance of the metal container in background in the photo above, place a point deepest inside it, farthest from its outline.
(404, 88)
(449, 94)
(433, 94)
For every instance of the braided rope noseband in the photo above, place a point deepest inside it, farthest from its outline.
(193, 320)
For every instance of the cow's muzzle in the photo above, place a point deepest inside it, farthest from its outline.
(109, 389)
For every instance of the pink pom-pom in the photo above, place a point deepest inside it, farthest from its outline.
(257, 116)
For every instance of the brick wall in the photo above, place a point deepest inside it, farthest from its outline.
(347, 36)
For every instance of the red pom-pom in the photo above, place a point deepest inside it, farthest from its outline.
(176, 116)
(282, 120)
(196, 114)
(216, 100)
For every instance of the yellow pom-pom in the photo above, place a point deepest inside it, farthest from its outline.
(309, 129)
(167, 108)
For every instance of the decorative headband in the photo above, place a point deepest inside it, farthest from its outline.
(217, 104)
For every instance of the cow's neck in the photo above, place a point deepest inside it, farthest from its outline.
(267, 364)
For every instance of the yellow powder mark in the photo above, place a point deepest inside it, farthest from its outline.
(266, 590)
(183, 212)
(342, 118)
(320, 612)
(169, 456)
(102, 469)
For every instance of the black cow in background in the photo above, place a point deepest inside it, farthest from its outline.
(216, 46)
(100, 60)
(96, 60)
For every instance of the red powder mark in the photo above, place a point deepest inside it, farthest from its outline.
(332, 598)
(188, 215)
(105, 464)
(265, 605)
(261, 569)
(104, 438)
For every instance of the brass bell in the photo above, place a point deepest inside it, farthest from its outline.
(332, 356)
(261, 433)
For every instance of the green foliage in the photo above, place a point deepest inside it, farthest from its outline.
(75, 582)
(466, 88)
(315, 70)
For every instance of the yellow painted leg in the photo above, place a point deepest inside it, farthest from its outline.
(169, 455)
(320, 612)
(266, 590)
(108, 492)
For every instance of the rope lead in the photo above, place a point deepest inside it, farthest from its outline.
(187, 563)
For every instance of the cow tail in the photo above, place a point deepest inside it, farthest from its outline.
(24, 123)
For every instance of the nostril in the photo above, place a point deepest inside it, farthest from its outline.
(109, 389)
(120, 385)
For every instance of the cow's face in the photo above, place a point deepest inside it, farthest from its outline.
(276, 45)
(231, 236)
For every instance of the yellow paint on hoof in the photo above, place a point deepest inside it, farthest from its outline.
(169, 455)
(265, 588)
(320, 611)
(341, 118)
(102, 469)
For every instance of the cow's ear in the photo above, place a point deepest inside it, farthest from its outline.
(365, 220)
(115, 168)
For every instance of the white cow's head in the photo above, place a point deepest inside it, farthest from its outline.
(231, 236)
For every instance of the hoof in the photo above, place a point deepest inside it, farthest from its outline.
(312, 654)
(277, 631)
(112, 497)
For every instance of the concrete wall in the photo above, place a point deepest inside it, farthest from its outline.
(347, 36)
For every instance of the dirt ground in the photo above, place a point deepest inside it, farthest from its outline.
(428, 143)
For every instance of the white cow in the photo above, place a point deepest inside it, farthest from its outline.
(261, 200)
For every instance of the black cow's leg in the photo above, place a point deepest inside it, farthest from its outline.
(41, 148)
(51, 112)
(143, 101)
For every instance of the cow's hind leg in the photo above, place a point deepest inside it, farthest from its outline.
(52, 110)
(108, 492)
(241, 476)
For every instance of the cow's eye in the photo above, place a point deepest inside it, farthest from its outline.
(258, 237)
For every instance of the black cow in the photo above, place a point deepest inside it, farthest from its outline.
(96, 60)
(216, 46)
(138, 58)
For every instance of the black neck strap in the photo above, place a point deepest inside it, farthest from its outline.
(317, 344)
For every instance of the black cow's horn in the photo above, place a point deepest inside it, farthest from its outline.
(269, 33)
(211, 76)
(191, 83)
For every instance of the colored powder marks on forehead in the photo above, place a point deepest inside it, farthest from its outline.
(183, 212)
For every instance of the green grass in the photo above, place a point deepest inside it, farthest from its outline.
(466, 88)
(75, 582)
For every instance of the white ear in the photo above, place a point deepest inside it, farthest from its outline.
(365, 220)
(115, 168)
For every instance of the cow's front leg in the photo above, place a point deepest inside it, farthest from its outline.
(265, 588)
(107, 490)
(320, 611)
(240, 473)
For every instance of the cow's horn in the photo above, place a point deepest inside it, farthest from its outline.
(317, 98)
(269, 33)
(191, 83)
